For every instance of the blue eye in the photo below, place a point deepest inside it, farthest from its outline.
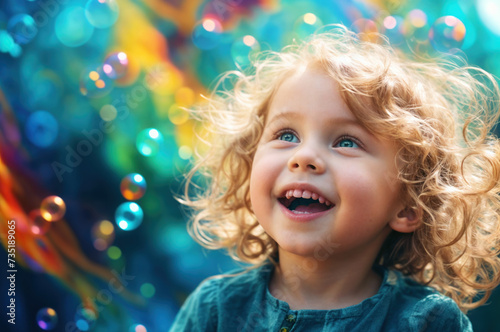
(288, 137)
(347, 143)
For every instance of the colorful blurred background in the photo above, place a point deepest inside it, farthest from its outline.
(94, 139)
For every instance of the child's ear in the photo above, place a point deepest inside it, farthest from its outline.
(406, 221)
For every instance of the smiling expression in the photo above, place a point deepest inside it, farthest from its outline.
(318, 172)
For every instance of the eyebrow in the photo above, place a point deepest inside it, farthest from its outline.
(297, 115)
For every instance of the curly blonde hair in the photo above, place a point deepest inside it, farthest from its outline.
(440, 113)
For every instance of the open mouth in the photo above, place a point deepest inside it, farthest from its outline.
(302, 205)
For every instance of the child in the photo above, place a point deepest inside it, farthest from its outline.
(361, 186)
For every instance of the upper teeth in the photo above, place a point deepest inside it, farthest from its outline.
(297, 193)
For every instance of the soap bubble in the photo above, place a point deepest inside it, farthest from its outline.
(394, 29)
(447, 33)
(85, 319)
(53, 208)
(416, 25)
(41, 128)
(22, 28)
(46, 318)
(128, 216)
(207, 34)
(72, 27)
(101, 13)
(149, 142)
(366, 28)
(38, 224)
(116, 65)
(94, 83)
(103, 234)
(133, 186)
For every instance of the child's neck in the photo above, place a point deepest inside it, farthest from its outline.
(305, 283)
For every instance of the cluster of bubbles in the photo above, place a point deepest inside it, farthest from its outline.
(103, 234)
(129, 215)
(75, 25)
(51, 209)
(85, 318)
(97, 81)
(446, 34)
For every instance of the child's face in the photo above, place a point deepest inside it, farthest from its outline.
(313, 147)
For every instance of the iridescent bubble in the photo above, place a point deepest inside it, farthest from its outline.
(306, 25)
(394, 28)
(447, 33)
(101, 13)
(46, 318)
(366, 28)
(416, 25)
(72, 27)
(116, 65)
(128, 216)
(53, 208)
(149, 142)
(94, 83)
(103, 234)
(85, 319)
(41, 128)
(133, 186)
(38, 225)
(22, 28)
(244, 50)
(207, 33)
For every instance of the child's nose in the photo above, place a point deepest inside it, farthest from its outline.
(307, 158)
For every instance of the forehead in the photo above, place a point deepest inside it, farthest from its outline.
(311, 92)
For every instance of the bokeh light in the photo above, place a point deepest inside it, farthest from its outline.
(72, 27)
(114, 252)
(101, 13)
(41, 129)
(137, 328)
(149, 141)
(447, 33)
(128, 216)
(489, 12)
(177, 115)
(46, 318)
(148, 290)
(108, 112)
(22, 28)
(133, 186)
(53, 208)
(416, 25)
